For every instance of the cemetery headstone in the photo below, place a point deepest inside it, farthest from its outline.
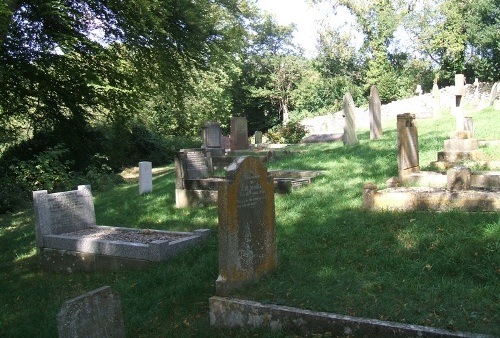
(419, 90)
(212, 135)
(258, 137)
(226, 142)
(247, 234)
(191, 164)
(408, 161)
(62, 212)
(476, 88)
(145, 177)
(469, 125)
(436, 100)
(95, 314)
(239, 133)
(350, 137)
(493, 94)
(375, 110)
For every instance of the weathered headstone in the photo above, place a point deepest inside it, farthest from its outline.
(436, 100)
(247, 234)
(239, 133)
(408, 161)
(145, 177)
(62, 212)
(96, 314)
(226, 142)
(212, 135)
(493, 94)
(458, 178)
(375, 111)
(258, 137)
(350, 137)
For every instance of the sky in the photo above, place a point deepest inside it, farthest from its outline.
(300, 13)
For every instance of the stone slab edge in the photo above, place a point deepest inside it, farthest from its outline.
(234, 313)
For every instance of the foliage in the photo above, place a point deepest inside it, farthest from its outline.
(290, 133)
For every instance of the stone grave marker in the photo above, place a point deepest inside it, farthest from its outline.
(375, 110)
(493, 94)
(408, 161)
(419, 90)
(212, 135)
(350, 137)
(247, 234)
(239, 133)
(436, 100)
(145, 177)
(226, 142)
(95, 314)
(258, 137)
(62, 212)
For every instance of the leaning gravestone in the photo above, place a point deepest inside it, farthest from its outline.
(247, 234)
(239, 133)
(145, 177)
(493, 94)
(375, 110)
(350, 136)
(95, 314)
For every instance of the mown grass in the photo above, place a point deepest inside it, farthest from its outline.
(437, 269)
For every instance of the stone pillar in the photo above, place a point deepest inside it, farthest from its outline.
(459, 104)
(145, 177)
(408, 161)
(375, 111)
(350, 137)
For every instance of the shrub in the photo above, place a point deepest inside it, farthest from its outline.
(292, 132)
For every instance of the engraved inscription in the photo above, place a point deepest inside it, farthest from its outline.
(250, 192)
(67, 211)
(196, 165)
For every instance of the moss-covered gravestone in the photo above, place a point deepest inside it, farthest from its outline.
(247, 234)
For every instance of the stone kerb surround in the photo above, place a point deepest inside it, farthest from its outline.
(67, 237)
(247, 234)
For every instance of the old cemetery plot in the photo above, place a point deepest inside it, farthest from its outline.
(458, 188)
(68, 238)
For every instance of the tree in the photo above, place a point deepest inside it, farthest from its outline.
(69, 65)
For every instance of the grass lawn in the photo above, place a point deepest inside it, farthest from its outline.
(436, 269)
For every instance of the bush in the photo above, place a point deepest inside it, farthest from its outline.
(292, 132)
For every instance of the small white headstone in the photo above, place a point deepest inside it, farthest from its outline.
(145, 177)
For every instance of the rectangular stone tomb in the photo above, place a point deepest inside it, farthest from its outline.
(430, 199)
(65, 222)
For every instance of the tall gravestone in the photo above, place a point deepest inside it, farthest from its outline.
(436, 100)
(239, 133)
(408, 161)
(493, 94)
(145, 177)
(212, 135)
(350, 137)
(258, 137)
(247, 234)
(95, 314)
(375, 111)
